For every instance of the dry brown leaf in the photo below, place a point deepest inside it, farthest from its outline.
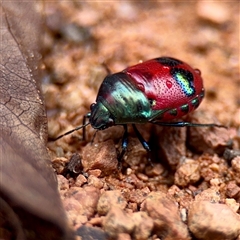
(30, 207)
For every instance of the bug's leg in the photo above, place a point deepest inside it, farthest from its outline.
(87, 116)
(124, 143)
(143, 142)
(94, 135)
(188, 124)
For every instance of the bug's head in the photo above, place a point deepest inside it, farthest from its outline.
(100, 117)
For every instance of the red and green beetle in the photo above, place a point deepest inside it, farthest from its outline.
(156, 91)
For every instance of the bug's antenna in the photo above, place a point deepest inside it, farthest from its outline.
(71, 131)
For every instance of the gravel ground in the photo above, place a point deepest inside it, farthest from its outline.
(192, 191)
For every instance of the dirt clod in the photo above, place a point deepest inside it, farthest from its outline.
(213, 221)
(109, 199)
(144, 225)
(117, 221)
(100, 156)
(187, 173)
(86, 200)
(166, 216)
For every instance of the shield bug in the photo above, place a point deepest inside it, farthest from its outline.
(156, 91)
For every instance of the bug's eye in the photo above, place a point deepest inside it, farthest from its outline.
(110, 122)
(152, 102)
(92, 106)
